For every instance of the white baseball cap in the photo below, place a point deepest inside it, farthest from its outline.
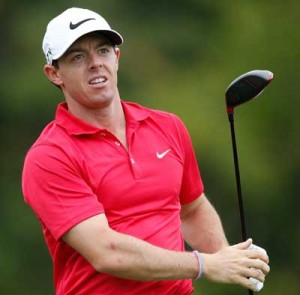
(63, 30)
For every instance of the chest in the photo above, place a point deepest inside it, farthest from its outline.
(145, 177)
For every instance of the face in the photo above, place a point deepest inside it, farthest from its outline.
(87, 73)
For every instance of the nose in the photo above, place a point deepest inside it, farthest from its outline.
(95, 61)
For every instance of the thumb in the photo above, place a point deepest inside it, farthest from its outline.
(244, 245)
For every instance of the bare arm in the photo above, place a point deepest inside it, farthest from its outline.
(202, 230)
(128, 257)
(125, 256)
(202, 227)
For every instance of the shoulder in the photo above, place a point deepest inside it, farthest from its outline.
(49, 148)
(160, 116)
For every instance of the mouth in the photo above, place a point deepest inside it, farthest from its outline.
(98, 81)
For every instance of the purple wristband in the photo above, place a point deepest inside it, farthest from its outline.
(199, 259)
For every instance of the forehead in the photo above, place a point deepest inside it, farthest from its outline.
(98, 37)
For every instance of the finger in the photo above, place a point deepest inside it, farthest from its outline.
(262, 266)
(256, 274)
(249, 284)
(258, 285)
(252, 273)
(254, 280)
(254, 283)
(257, 254)
(243, 246)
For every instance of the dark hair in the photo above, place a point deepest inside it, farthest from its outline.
(55, 63)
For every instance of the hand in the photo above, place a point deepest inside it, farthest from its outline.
(258, 285)
(236, 264)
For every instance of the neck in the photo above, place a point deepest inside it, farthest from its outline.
(110, 117)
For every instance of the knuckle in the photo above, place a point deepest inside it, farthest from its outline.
(266, 270)
(250, 285)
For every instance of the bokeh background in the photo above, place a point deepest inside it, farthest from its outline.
(178, 56)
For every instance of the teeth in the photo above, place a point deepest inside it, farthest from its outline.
(98, 80)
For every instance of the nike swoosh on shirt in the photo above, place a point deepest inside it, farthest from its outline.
(161, 155)
(74, 26)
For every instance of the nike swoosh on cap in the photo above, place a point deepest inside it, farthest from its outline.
(74, 26)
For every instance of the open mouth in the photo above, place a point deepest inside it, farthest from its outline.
(97, 81)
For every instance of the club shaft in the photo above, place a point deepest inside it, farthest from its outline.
(237, 177)
(238, 181)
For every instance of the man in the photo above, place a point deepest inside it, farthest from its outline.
(116, 186)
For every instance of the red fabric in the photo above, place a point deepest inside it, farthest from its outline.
(75, 171)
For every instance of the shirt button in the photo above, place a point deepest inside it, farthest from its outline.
(117, 143)
(132, 160)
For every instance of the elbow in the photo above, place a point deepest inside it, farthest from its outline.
(104, 263)
(99, 266)
(117, 265)
(108, 260)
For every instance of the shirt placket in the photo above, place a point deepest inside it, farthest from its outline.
(131, 141)
(134, 166)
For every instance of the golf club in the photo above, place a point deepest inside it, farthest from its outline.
(241, 90)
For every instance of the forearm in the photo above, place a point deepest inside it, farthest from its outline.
(135, 259)
(126, 256)
(202, 227)
(131, 258)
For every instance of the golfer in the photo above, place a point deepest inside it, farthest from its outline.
(116, 186)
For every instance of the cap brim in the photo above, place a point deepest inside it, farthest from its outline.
(113, 36)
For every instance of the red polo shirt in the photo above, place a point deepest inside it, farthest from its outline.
(75, 171)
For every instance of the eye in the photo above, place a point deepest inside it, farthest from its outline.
(77, 57)
(104, 50)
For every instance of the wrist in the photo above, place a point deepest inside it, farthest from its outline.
(198, 256)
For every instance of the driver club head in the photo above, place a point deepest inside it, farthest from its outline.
(246, 87)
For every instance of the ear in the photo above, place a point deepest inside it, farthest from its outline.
(53, 75)
(118, 53)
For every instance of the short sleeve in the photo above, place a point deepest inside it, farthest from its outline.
(192, 186)
(56, 190)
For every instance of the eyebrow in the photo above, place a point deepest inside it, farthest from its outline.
(78, 48)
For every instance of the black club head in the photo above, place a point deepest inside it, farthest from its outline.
(246, 87)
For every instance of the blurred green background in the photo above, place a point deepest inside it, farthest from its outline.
(178, 56)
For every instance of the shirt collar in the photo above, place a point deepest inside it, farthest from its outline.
(134, 113)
